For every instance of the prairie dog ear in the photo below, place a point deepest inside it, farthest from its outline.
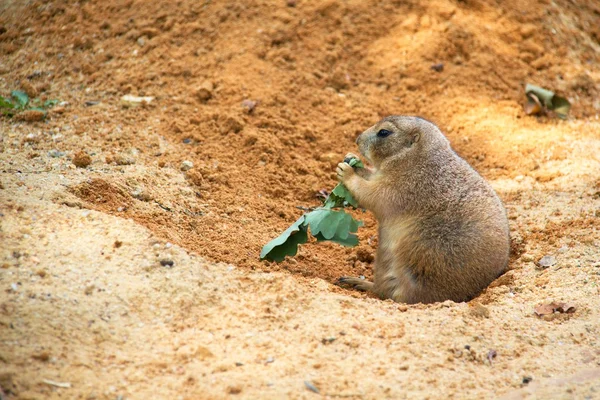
(415, 136)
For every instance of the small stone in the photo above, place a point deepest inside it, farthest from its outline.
(328, 340)
(81, 159)
(134, 101)
(56, 154)
(31, 115)
(249, 105)
(527, 257)
(527, 379)
(546, 261)
(438, 67)
(231, 124)
(478, 310)
(89, 290)
(28, 88)
(310, 386)
(123, 159)
(235, 389)
(42, 356)
(291, 3)
(204, 92)
(411, 84)
(167, 262)
(186, 165)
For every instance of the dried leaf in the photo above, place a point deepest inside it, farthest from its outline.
(548, 98)
(551, 308)
(547, 261)
(566, 308)
(533, 105)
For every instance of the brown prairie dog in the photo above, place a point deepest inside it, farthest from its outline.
(443, 231)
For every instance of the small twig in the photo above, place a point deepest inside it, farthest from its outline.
(65, 385)
(306, 208)
(163, 207)
(359, 395)
(12, 171)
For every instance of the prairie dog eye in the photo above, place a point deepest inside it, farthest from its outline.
(383, 133)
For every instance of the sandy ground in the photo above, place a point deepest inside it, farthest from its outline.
(131, 278)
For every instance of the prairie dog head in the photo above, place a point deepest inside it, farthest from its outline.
(398, 137)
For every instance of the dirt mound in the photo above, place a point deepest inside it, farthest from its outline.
(265, 99)
(252, 106)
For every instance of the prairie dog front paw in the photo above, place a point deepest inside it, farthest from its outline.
(344, 172)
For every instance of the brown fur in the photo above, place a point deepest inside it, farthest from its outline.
(443, 232)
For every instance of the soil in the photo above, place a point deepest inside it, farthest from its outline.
(131, 229)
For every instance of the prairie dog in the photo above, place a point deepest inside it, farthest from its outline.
(443, 231)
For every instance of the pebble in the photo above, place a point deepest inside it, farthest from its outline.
(438, 67)
(309, 385)
(82, 159)
(204, 92)
(123, 159)
(249, 105)
(186, 165)
(167, 262)
(56, 154)
(527, 257)
(31, 115)
(547, 261)
(134, 101)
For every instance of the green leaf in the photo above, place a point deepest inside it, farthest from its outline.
(340, 196)
(50, 103)
(21, 98)
(287, 243)
(327, 224)
(543, 94)
(350, 241)
(561, 106)
(356, 163)
(551, 101)
(325, 221)
(6, 103)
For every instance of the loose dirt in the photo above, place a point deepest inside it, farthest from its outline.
(127, 273)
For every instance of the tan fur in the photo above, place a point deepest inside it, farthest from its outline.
(443, 232)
